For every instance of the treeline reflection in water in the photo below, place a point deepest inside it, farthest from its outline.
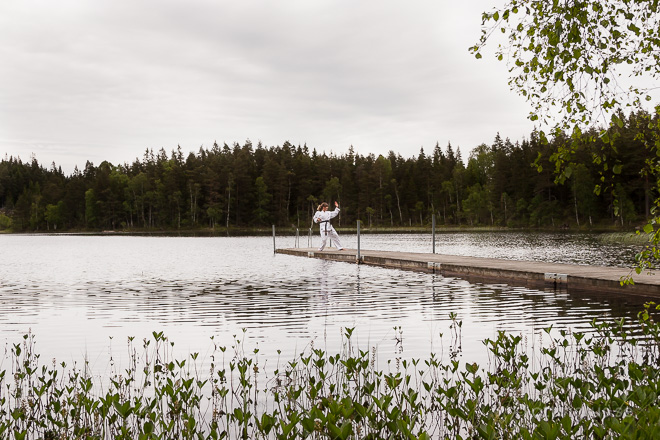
(82, 296)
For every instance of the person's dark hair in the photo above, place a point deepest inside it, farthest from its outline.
(321, 206)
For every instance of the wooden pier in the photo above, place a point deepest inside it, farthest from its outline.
(525, 273)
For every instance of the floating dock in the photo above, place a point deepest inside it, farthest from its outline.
(534, 274)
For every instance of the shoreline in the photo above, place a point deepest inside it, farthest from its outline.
(617, 234)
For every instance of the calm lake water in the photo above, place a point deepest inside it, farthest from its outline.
(82, 296)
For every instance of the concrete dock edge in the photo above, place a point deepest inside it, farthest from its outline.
(476, 269)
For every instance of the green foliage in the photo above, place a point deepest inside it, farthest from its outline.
(332, 190)
(5, 222)
(90, 208)
(582, 64)
(574, 55)
(54, 214)
(477, 206)
(263, 199)
(599, 384)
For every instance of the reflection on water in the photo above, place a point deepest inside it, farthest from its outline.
(565, 247)
(83, 295)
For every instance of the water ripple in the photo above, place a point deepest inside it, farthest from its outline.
(87, 294)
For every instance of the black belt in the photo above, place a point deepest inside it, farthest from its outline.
(326, 224)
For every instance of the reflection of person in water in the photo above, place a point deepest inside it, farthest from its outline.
(323, 217)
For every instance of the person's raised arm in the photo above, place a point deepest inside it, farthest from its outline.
(335, 213)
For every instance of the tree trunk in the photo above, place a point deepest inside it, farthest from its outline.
(577, 217)
(505, 217)
(228, 204)
(288, 201)
(647, 198)
(458, 208)
(398, 204)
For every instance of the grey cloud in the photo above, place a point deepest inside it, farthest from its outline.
(140, 74)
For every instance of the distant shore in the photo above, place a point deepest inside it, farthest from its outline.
(610, 234)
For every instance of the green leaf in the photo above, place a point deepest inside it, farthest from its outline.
(346, 430)
(124, 410)
(308, 424)
(617, 168)
(605, 136)
(648, 228)
(335, 432)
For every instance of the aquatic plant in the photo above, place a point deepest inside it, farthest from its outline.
(601, 384)
(629, 238)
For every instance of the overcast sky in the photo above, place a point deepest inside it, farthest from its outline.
(106, 79)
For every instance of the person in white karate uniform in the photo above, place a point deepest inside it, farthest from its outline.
(322, 218)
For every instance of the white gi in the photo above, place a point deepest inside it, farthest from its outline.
(323, 219)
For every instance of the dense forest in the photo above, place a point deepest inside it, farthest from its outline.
(502, 184)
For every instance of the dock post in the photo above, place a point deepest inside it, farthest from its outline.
(433, 229)
(359, 259)
(297, 238)
(309, 238)
(274, 248)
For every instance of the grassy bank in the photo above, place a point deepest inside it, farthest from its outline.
(625, 238)
(604, 384)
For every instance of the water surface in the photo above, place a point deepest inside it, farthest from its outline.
(82, 296)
